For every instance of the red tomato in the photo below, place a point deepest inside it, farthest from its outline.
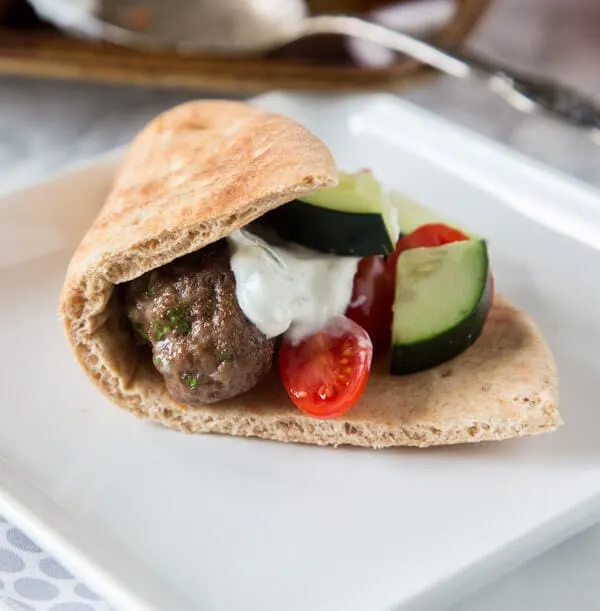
(326, 373)
(433, 234)
(373, 298)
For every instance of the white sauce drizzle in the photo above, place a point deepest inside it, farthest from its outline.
(289, 288)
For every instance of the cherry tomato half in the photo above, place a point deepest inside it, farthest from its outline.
(433, 234)
(326, 373)
(373, 298)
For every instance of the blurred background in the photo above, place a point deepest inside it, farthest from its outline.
(66, 94)
(92, 94)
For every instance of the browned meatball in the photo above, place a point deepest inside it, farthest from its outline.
(202, 343)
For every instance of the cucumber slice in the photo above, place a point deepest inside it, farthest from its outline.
(354, 218)
(443, 296)
(412, 215)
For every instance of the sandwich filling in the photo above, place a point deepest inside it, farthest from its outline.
(321, 302)
(212, 317)
(284, 287)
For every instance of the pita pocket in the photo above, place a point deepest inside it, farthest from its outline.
(194, 175)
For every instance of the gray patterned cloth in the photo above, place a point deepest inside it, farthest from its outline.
(31, 580)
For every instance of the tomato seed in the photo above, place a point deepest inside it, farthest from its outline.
(325, 392)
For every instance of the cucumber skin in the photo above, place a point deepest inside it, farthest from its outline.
(412, 358)
(331, 231)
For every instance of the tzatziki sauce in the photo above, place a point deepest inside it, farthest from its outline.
(289, 288)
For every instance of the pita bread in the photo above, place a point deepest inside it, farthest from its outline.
(192, 176)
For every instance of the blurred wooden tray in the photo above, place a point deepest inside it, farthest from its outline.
(318, 64)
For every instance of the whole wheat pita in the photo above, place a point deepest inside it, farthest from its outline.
(200, 171)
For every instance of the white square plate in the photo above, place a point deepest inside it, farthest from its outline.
(153, 519)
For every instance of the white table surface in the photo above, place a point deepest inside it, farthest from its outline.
(46, 125)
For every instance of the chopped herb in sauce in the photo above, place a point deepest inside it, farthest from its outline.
(190, 381)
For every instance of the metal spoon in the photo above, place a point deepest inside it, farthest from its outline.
(245, 26)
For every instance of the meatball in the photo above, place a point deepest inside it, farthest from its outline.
(202, 343)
